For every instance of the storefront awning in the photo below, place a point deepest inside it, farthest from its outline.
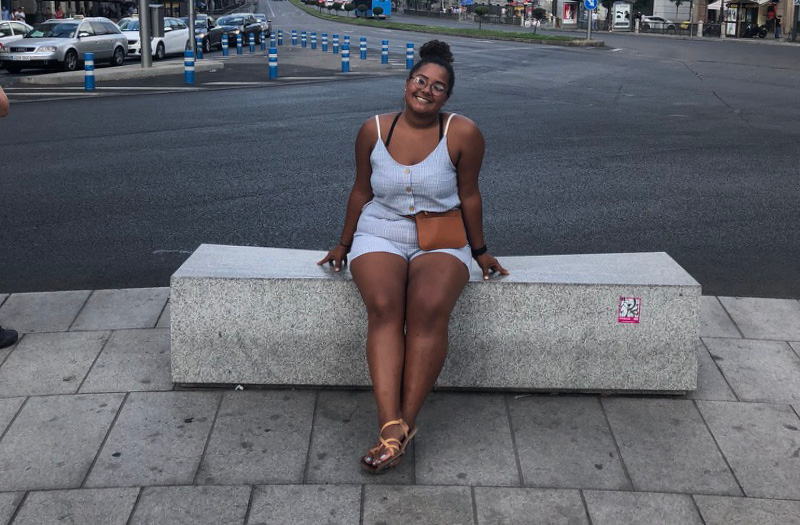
(716, 6)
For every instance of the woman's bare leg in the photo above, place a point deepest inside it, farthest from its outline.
(435, 281)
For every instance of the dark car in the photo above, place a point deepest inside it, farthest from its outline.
(244, 24)
(205, 28)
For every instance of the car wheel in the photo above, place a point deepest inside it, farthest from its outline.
(160, 52)
(12, 69)
(670, 28)
(645, 26)
(118, 58)
(71, 61)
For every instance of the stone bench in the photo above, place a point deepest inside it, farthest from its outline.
(268, 316)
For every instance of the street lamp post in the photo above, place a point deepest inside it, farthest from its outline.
(144, 34)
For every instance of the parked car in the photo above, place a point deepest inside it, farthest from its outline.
(62, 43)
(174, 41)
(10, 31)
(244, 24)
(266, 24)
(656, 22)
(208, 30)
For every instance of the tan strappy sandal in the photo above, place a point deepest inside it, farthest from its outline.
(392, 446)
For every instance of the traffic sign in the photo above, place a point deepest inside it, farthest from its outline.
(590, 4)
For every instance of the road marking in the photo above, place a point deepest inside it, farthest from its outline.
(616, 49)
(56, 93)
(238, 83)
(158, 252)
(105, 88)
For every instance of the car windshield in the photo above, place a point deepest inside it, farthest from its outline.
(129, 24)
(261, 18)
(53, 30)
(231, 21)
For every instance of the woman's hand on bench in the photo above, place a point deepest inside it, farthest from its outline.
(337, 257)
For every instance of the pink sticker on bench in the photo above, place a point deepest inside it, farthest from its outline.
(629, 309)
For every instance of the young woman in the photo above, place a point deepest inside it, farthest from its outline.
(418, 160)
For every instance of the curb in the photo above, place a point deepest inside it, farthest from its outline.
(119, 73)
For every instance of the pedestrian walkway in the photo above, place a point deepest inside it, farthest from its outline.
(92, 431)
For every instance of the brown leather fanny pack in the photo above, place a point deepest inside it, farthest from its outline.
(436, 231)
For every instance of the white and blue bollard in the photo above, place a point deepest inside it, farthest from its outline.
(363, 48)
(263, 41)
(225, 43)
(239, 44)
(303, 39)
(252, 43)
(335, 44)
(346, 41)
(188, 67)
(324, 42)
(313, 41)
(345, 58)
(273, 62)
(384, 52)
(280, 37)
(409, 55)
(198, 46)
(294, 37)
(88, 68)
(272, 41)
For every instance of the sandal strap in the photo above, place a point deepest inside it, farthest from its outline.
(403, 425)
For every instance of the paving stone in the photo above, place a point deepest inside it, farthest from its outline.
(761, 443)
(634, 508)
(465, 439)
(711, 384)
(345, 427)
(84, 507)
(3, 297)
(8, 409)
(667, 447)
(758, 370)
(497, 506)
(131, 361)
(305, 505)
(400, 505)
(119, 309)
(9, 501)
(259, 437)
(54, 440)
(192, 505)
(163, 321)
(565, 442)
(43, 312)
(777, 319)
(718, 510)
(714, 320)
(54, 363)
(158, 439)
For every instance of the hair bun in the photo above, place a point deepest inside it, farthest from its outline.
(436, 49)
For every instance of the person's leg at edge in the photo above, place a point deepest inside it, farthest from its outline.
(381, 279)
(435, 281)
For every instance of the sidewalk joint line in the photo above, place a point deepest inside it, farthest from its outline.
(585, 506)
(13, 349)
(135, 504)
(94, 361)
(702, 342)
(16, 415)
(78, 314)
(19, 507)
(361, 505)
(220, 400)
(721, 452)
(520, 474)
(311, 436)
(729, 314)
(474, 504)
(161, 314)
(697, 508)
(105, 439)
(616, 445)
(249, 503)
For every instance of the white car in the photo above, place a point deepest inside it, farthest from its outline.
(174, 41)
(12, 30)
(656, 22)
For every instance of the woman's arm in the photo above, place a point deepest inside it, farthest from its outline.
(3, 103)
(468, 165)
(359, 195)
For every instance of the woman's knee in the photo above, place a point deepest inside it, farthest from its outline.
(428, 311)
(384, 309)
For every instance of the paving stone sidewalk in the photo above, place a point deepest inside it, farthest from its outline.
(92, 431)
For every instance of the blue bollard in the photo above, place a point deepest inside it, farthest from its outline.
(313, 41)
(346, 41)
(280, 37)
(345, 58)
(239, 44)
(225, 43)
(273, 62)
(384, 52)
(324, 42)
(294, 37)
(88, 68)
(409, 55)
(198, 46)
(335, 44)
(252, 43)
(188, 67)
(363, 48)
(272, 42)
(263, 41)
(303, 39)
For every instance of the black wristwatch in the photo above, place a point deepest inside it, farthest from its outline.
(480, 251)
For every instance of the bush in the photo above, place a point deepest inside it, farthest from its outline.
(378, 11)
(362, 8)
(349, 6)
(337, 6)
(481, 11)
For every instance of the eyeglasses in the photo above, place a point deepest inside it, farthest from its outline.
(421, 81)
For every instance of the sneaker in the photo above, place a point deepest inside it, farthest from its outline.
(7, 337)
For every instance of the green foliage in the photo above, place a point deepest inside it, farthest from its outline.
(362, 8)
(377, 11)
(481, 11)
(349, 6)
(540, 13)
(337, 6)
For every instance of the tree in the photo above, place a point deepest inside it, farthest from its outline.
(677, 5)
(539, 14)
(481, 11)
(377, 11)
(349, 6)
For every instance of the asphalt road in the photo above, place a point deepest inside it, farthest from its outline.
(651, 144)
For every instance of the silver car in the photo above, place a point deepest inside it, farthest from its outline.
(62, 43)
(11, 30)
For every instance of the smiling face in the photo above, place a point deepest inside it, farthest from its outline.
(427, 89)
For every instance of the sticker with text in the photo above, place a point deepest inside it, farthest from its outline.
(629, 309)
